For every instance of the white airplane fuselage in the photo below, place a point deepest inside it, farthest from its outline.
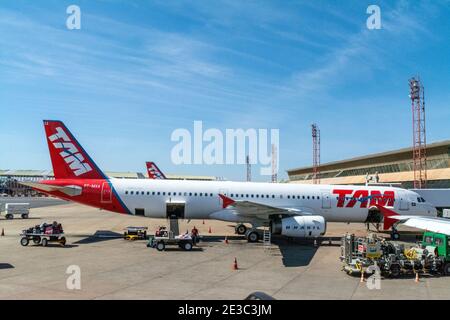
(201, 198)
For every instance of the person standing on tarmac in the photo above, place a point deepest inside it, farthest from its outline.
(194, 235)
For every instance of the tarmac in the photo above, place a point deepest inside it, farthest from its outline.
(114, 268)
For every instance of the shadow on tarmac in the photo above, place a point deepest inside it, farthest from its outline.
(99, 236)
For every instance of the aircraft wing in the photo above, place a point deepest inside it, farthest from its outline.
(434, 224)
(258, 210)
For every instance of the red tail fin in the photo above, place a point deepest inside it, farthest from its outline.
(69, 160)
(388, 222)
(154, 172)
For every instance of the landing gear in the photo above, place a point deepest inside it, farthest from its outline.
(252, 236)
(241, 229)
(394, 234)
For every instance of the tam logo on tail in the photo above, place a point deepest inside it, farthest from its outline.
(154, 172)
(69, 152)
(69, 159)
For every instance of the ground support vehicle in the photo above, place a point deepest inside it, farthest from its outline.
(135, 233)
(392, 259)
(43, 234)
(17, 209)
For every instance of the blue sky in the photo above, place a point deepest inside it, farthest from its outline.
(137, 70)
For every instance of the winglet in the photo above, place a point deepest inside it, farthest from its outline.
(226, 200)
(387, 214)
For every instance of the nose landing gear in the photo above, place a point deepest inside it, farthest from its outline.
(395, 235)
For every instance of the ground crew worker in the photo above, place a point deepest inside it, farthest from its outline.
(194, 235)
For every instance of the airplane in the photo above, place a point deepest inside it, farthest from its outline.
(292, 210)
(153, 171)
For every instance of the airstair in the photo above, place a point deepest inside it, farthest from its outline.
(267, 236)
(174, 227)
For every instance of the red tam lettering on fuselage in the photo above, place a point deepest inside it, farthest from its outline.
(384, 200)
(376, 197)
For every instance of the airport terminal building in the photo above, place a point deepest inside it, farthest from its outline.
(390, 167)
(9, 179)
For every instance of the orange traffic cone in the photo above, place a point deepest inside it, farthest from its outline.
(235, 265)
(209, 230)
(417, 277)
(226, 240)
(362, 276)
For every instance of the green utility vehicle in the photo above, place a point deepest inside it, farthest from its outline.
(442, 244)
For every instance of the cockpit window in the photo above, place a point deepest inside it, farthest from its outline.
(420, 199)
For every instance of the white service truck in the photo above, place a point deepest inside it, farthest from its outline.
(14, 209)
(446, 213)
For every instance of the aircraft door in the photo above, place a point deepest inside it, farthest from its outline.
(404, 203)
(326, 200)
(106, 193)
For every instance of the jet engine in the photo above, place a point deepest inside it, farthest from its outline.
(299, 226)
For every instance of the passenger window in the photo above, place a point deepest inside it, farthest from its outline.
(190, 194)
(200, 194)
(257, 195)
(289, 197)
(195, 194)
(307, 197)
(159, 193)
(153, 193)
(211, 194)
(132, 192)
(438, 241)
(303, 197)
(318, 197)
(164, 193)
(313, 197)
(126, 192)
(168, 193)
(232, 195)
(148, 193)
(273, 196)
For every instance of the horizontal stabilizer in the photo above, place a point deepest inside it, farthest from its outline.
(68, 190)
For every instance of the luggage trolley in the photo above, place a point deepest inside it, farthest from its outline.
(43, 234)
